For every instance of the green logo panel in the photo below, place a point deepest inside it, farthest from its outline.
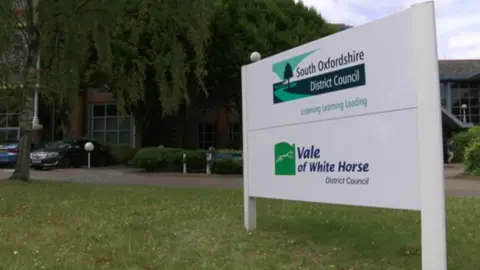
(285, 159)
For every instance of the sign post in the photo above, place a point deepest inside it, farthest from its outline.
(351, 119)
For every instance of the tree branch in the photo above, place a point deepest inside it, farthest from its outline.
(17, 20)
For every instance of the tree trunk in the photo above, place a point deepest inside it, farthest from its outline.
(22, 168)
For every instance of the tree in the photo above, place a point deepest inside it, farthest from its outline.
(288, 73)
(166, 54)
(28, 28)
(241, 27)
(158, 58)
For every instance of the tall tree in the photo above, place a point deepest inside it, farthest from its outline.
(241, 27)
(158, 56)
(28, 29)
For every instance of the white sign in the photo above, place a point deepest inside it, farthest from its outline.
(354, 119)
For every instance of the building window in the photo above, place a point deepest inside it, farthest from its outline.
(443, 94)
(106, 125)
(235, 136)
(466, 93)
(9, 120)
(207, 135)
(9, 116)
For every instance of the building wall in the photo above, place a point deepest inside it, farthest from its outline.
(94, 115)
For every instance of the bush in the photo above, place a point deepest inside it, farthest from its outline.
(472, 158)
(475, 130)
(157, 159)
(121, 154)
(196, 160)
(461, 141)
(228, 166)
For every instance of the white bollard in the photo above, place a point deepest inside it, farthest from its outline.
(184, 163)
(209, 160)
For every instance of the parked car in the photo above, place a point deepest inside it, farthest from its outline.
(68, 153)
(9, 151)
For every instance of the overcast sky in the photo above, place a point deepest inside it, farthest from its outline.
(458, 21)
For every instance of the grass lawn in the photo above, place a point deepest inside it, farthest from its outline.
(79, 226)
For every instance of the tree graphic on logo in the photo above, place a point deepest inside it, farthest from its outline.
(285, 160)
(288, 73)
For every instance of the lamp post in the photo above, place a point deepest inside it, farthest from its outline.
(464, 110)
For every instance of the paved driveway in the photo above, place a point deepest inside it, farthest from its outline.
(455, 186)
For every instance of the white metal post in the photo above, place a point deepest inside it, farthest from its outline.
(249, 203)
(89, 160)
(208, 159)
(434, 248)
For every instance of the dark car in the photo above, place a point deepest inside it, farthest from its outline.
(67, 154)
(9, 151)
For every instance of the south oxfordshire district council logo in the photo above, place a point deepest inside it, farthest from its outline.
(297, 78)
(285, 159)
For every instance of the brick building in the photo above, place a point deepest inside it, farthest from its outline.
(94, 115)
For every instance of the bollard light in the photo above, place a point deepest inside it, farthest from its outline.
(255, 56)
(89, 148)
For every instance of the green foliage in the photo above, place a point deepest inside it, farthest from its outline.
(241, 27)
(121, 154)
(472, 158)
(63, 33)
(196, 160)
(461, 142)
(163, 42)
(156, 159)
(228, 166)
(475, 130)
(73, 37)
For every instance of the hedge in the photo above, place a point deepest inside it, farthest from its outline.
(472, 158)
(121, 154)
(228, 166)
(159, 159)
(461, 142)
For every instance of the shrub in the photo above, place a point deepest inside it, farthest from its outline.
(121, 154)
(475, 130)
(228, 166)
(155, 159)
(472, 158)
(196, 160)
(461, 141)
(161, 159)
(158, 159)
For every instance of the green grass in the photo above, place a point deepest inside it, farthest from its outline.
(79, 226)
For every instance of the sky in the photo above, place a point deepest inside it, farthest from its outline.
(458, 21)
